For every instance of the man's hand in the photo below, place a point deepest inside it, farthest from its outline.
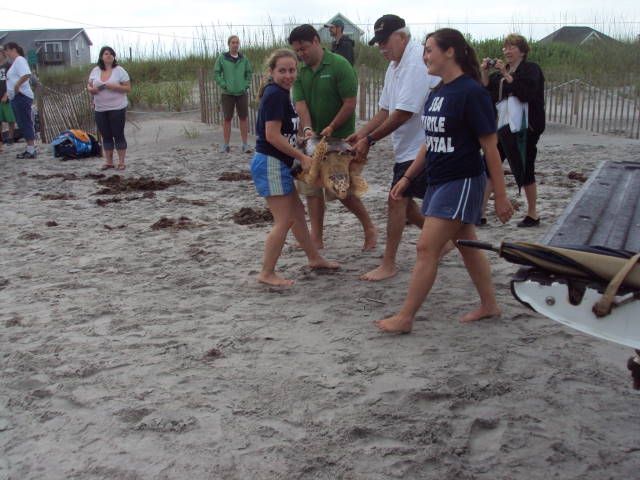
(361, 149)
(353, 138)
(400, 186)
(327, 131)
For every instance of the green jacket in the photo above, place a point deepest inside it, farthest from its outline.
(232, 74)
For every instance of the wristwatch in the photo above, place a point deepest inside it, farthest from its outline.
(370, 140)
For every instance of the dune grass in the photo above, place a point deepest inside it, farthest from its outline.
(165, 77)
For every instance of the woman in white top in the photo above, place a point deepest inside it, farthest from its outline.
(21, 96)
(109, 84)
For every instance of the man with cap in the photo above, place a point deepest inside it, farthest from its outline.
(406, 87)
(342, 45)
(325, 98)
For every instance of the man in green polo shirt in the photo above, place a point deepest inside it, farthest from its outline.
(325, 98)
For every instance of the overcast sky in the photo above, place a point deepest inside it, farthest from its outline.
(173, 25)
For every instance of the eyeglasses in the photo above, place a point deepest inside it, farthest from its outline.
(509, 47)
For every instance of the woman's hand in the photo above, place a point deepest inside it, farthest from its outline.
(93, 90)
(398, 189)
(501, 67)
(503, 207)
(485, 63)
(305, 161)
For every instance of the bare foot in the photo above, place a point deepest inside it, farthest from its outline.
(381, 273)
(370, 238)
(395, 324)
(480, 313)
(322, 263)
(270, 278)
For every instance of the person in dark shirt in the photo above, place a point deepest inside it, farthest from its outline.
(342, 45)
(458, 122)
(516, 76)
(272, 166)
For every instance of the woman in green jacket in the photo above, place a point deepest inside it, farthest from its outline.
(232, 73)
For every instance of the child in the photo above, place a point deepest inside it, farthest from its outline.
(458, 120)
(271, 167)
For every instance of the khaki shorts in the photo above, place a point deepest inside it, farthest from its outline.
(310, 191)
(239, 102)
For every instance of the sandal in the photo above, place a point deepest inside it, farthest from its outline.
(121, 166)
(529, 222)
(107, 166)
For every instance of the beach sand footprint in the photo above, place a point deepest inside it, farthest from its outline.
(485, 438)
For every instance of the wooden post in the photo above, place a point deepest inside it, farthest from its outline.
(635, 116)
(41, 115)
(616, 116)
(581, 95)
(575, 108)
(363, 92)
(203, 103)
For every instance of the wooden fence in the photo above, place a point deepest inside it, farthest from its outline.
(62, 109)
(210, 107)
(609, 105)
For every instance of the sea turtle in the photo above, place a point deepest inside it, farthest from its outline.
(333, 167)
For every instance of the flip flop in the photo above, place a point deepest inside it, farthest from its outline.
(121, 167)
(106, 166)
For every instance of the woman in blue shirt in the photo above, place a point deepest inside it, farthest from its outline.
(458, 120)
(271, 166)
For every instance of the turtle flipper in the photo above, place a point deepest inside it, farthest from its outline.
(311, 176)
(359, 185)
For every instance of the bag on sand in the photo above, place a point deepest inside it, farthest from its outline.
(75, 144)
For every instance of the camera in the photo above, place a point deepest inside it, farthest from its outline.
(492, 63)
(102, 87)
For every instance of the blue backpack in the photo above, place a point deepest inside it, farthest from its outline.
(75, 144)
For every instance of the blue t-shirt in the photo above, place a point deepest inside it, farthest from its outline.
(276, 105)
(455, 115)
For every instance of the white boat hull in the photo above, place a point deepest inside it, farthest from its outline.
(621, 326)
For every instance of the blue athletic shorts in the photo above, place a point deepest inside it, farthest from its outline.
(271, 176)
(459, 199)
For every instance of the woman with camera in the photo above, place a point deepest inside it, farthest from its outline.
(109, 84)
(515, 76)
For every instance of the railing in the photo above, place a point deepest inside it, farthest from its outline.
(62, 109)
(210, 106)
(609, 105)
(370, 87)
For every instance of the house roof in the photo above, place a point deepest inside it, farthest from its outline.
(575, 35)
(346, 21)
(33, 39)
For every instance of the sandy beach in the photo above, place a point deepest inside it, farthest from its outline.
(133, 347)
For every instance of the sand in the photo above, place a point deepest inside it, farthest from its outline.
(128, 352)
